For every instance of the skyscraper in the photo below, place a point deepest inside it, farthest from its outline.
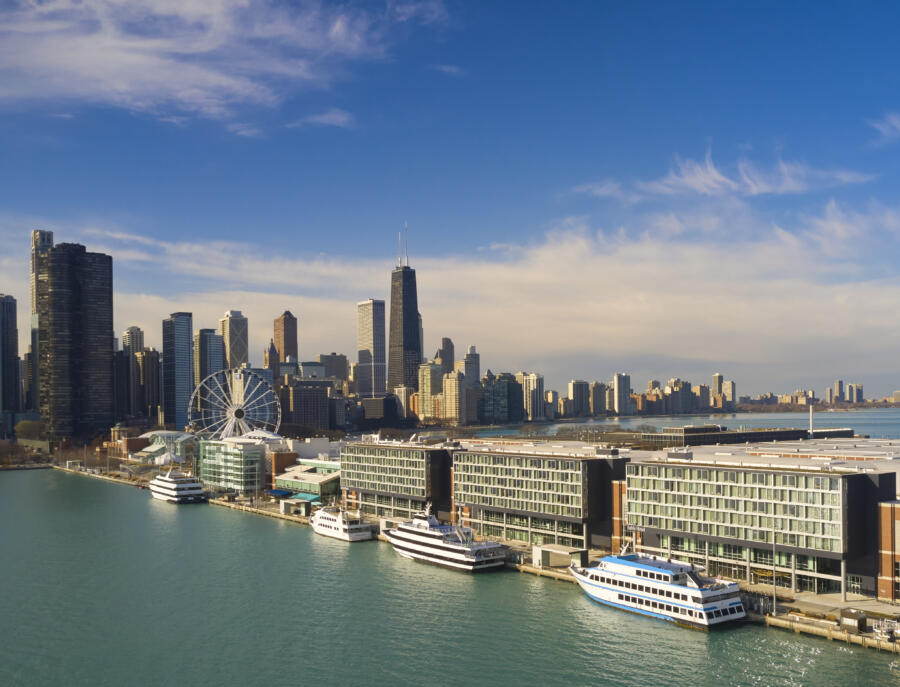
(717, 381)
(209, 354)
(132, 344)
(272, 361)
(133, 340)
(234, 332)
(622, 393)
(430, 385)
(286, 336)
(839, 391)
(370, 370)
(73, 299)
(9, 357)
(532, 395)
(470, 366)
(580, 393)
(447, 355)
(148, 369)
(41, 243)
(405, 352)
(177, 368)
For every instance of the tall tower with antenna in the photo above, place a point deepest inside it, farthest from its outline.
(404, 347)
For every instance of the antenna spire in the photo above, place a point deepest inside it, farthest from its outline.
(406, 228)
(399, 249)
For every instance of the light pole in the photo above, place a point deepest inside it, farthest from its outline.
(774, 574)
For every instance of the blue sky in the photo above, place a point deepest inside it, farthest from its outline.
(670, 190)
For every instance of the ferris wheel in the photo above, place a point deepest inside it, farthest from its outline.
(232, 403)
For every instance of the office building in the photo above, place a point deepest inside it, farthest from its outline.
(394, 479)
(177, 368)
(838, 393)
(371, 368)
(580, 393)
(233, 329)
(559, 493)
(10, 387)
(501, 400)
(305, 403)
(405, 352)
(447, 355)
(717, 388)
(133, 340)
(74, 317)
(470, 365)
(727, 510)
(286, 337)
(235, 464)
(622, 393)
(148, 380)
(272, 361)
(335, 365)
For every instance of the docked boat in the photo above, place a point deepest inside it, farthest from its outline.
(662, 589)
(177, 487)
(424, 538)
(341, 524)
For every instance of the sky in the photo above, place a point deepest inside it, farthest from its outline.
(664, 189)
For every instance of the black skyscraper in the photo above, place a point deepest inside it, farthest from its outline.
(9, 357)
(405, 347)
(73, 294)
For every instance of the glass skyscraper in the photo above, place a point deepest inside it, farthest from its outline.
(370, 370)
(177, 368)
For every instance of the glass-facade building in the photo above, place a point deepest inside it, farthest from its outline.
(177, 368)
(233, 465)
(395, 479)
(812, 528)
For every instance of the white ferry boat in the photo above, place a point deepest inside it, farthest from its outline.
(424, 538)
(178, 487)
(340, 524)
(662, 589)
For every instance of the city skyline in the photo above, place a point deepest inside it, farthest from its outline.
(592, 229)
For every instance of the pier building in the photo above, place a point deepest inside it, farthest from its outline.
(235, 464)
(395, 479)
(808, 520)
(536, 492)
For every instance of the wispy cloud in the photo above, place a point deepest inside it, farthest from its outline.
(187, 57)
(449, 69)
(607, 188)
(331, 117)
(888, 126)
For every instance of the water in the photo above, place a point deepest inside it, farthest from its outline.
(874, 422)
(104, 586)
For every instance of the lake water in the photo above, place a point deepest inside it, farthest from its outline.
(104, 586)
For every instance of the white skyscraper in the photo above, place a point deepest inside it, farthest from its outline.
(371, 370)
(234, 331)
(533, 395)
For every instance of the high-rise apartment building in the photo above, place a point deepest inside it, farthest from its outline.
(470, 365)
(74, 317)
(455, 398)
(729, 391)
(370, 370)
(430, 384)
(133, 340)
(598, 398)
(717, 381)
(9, 358)
(132, 343)
(405, 352)
(580, 393)
(501, 399)
(286, 337)
(838, 391)
(177, 368)
(622, 393)
(234, 331)
(532, 395)
(41, 243)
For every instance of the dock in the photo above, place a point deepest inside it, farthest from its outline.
(831, 632)
(296, 519)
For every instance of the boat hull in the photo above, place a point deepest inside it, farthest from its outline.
(343, 536)
(443, 559)
(191, 498)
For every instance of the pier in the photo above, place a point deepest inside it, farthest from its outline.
(830, 631)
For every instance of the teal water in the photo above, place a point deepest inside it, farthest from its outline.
(874, 422)
(104, 586)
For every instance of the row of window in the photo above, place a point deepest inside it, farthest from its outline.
(668, 490)
(808, 525)
(668, 593)
(734, 476)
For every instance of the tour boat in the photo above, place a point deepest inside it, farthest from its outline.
(340, 524)
(424, 538)
(662, 589)
(177, 487)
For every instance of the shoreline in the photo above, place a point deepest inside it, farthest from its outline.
(790, 620)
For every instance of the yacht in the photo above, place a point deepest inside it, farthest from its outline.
(178, 487)
(424, 538)
(341, 524)
(663, 589)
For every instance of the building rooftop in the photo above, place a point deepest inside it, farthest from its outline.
(308, 473)
(567, 449)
